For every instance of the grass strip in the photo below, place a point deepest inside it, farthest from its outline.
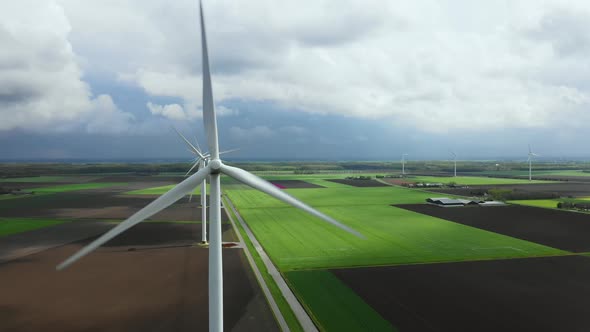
(10, 226)
(284, 307)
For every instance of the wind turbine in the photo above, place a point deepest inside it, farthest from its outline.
(404, 164)
(200, 161)
(213, 170)
(455, 162)
(530, 160)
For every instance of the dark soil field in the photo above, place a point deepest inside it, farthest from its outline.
(558, 229)
(29, 185)
(398, 181)
(533, 294)
(563, 189)
(294, 184)
(159, 286)
(359, 183)
(97, 205)
(26, 243)
(565, 178)
(140, 178)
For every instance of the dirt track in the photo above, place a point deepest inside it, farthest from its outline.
(558, 229)
(162, 287)
(534, 294)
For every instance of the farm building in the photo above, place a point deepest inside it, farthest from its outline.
(451, 202)
(445, 201)
(492, 203)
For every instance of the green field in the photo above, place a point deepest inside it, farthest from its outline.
(544, 203)
(338, 308)
(62, 188)
(302, 246)
(471, 180)
(17, 225)
(228, 183)
(76, 186)
(296, 240)
(550, 203)
(281, 302)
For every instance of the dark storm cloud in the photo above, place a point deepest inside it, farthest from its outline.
(17, 93)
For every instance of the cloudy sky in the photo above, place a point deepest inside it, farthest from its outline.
(295, 79)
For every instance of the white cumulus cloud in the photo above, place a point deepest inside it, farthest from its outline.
(41, 86)
(436, 66)
(171, 111)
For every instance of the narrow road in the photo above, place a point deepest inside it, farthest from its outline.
(297, 308)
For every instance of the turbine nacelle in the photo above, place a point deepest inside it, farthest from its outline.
(215, 165)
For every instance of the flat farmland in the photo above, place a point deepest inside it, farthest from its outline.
(115, 289)
(151, 278)
(532, 294)
(307, 251)
(410, 260)
(97, 206)
(558, 229)
(296, 240)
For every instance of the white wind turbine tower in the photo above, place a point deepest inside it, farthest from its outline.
(530, 160)
(455, 162)
(404, 164)
(213, 170)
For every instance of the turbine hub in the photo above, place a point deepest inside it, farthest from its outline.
(215, 165)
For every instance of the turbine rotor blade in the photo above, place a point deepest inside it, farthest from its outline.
(192, 148)
(162, 202)
(198, 162)
(209, 118)
(197, 142)
(229, 151)
(268, 188)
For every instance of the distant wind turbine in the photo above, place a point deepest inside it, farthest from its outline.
(455, 162)
(200, 162)
(213, 170)
(404, 163)
(530, 160)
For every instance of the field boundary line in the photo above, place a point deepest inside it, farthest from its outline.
(302, 316)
